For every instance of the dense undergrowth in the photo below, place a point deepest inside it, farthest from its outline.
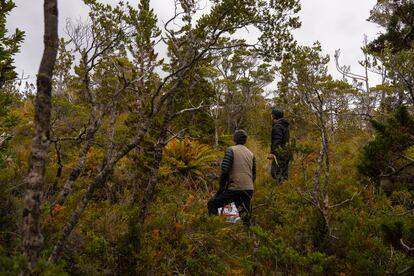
(288, 236)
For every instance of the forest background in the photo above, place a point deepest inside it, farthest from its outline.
(125, 143)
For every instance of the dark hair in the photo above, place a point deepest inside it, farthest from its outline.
(277, 113)
(240, 137)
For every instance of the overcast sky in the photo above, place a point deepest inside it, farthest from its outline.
(335, 23)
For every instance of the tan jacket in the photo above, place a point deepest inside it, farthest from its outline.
(241, 174)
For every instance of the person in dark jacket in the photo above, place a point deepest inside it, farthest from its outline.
(280, 137)
(238, 173)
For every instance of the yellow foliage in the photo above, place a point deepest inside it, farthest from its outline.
(178, 227)
(55, 213)
(189, 201)
(155, 234)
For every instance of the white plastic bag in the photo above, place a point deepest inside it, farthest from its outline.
(231, 212)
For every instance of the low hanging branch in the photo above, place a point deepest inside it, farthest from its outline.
(31, 232)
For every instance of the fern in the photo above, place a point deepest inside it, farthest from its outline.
(189, 159)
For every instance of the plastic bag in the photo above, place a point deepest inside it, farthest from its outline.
(230, 212)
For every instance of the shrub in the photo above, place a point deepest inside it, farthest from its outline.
(193, 161)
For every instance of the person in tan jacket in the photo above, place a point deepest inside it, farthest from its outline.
(238, 173)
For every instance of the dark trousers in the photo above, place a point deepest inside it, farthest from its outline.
(280, 170)
(242, 200)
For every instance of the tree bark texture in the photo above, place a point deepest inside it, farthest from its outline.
(31, 233)
(149, 194)
(325, 204)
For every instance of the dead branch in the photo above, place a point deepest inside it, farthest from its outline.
(397, 171)
(175, 135)
(345, 201)
(78, 138)
(344, 70)
(200, 106)
(405, 246)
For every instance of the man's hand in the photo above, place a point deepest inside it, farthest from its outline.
(271, 157)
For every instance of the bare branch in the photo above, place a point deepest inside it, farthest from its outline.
(174, 136)
(188, 110)
(398, 170)
(406, 157)
(61, 139)
(345, 201)
(346, 70)
(176, 14)
(405, 246)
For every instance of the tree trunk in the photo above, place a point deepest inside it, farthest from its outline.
(149, 194)
(317, 177)
(325, 203)
(76, 171)
(367, 89)
(216, 134)
(32, 236)
(321, 197)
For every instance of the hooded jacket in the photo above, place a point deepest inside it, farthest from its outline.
(280, 134)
